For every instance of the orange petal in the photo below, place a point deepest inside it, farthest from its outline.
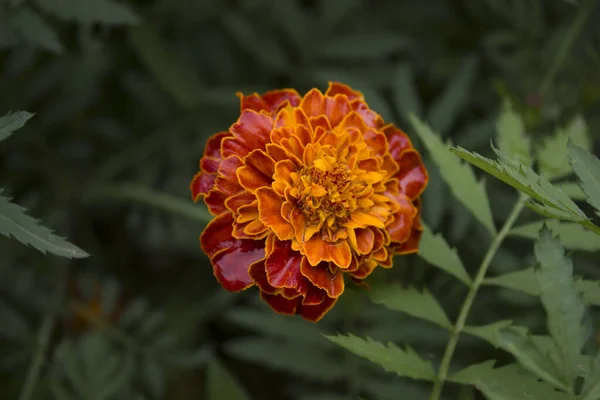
(340, 88)
(269, 209)
(376, 141)
(280, 304)
(314, 313)
(411, 245)
(277, 98)
(317, 250)
(336, 108)
(217, 234)
(365, 239)
(231, 265)
(201, 184)
(370, 117)
(248, 212)
(364, 269)
(322, 278)
(354, 120)
(312, 103)
(251, 131)
(251, 102)
(283, 265)
(234, 202)
(255, 229)
(412, 174)
(257, 171)
(282, 177)
(363, 220)
(227, 181)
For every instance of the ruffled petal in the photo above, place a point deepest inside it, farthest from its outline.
(252, 131)
(412, 174)
(257, 171)
(280, 304)
(231, 265)
(315, 313)
(317, 250)
(283, 265)
(323, 278)
(217, 234)
(269, 209)
(312, 103)
(339, 88)
(201, 184)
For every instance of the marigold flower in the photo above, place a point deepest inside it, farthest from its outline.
(304, 191)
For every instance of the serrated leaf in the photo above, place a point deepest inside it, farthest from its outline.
(553, 155)
(406, 96)
(11, 122)
(591, 388)
(525, 281)
(526, 180)
(510, 382)
(459, 177)
(572, 235)
(361, 46)
(511, 136)
(175, 77)
(404, 363)
(436, 251)
(562, 301)
(572, 190)
(34, 30)
(454, 98)
(412, 302)
(287, 356)
(16, 223)
(91, 11)
(587, 168)
(490, 333)
(221, 384)
(539, 360)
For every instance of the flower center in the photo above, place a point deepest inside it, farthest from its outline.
(326, 193)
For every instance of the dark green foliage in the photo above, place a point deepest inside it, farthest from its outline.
(121, 98)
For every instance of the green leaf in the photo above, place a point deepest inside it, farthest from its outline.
(175, 77)
(287, 356)
(511, 135)
(11, 122)
(562, 301)
(553, 155)
(525, 179)
(412, 302)
(361, 46)
(91, 11)
(572, 235)
(454, 98)
(510, 382)
(14, 222)
(406, 97)
(405, 363)
(459, 177)
(435, 250)
(221, 384)
(34, 30)
(572, 190)
(525, 281)
(587, 168)
(591, 388)
(490, 333)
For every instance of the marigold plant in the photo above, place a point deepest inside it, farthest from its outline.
(305, 190)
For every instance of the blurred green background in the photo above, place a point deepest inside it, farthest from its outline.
(125, 95)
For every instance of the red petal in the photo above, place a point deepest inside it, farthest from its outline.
(322, 278)
(336, 108)
(365, 239)
(398, 141)
(412, 174)
(283, 265)
(259, 277)
(251, 102)
(280, 304)
(201, 184)
(213, 145)
(340, 88)
(377, 141)
(227, 181)
(215, 201)
(312, 103)
(269, 209)
(411, 245)
(231, 265)
(276, 98)
(370, 117)
(234, 202)
(316, 312)
(312, 294)
(251, 131)
(217, 234)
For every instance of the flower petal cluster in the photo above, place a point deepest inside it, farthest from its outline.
(305, 191)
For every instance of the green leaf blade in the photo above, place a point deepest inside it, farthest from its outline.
(12, 122)
(404, 363)
(572, 235)
(587, 168)
(460, 177)
(16, 223)
(511, 135)
(435, 250)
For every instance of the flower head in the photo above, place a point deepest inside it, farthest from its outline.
(306, 190)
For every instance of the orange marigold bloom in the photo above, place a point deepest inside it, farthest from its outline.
(306, 190)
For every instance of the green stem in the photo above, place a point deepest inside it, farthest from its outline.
(591, 226)
(142, 194)
(43, 340)
(466, 307)
(585, 10)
